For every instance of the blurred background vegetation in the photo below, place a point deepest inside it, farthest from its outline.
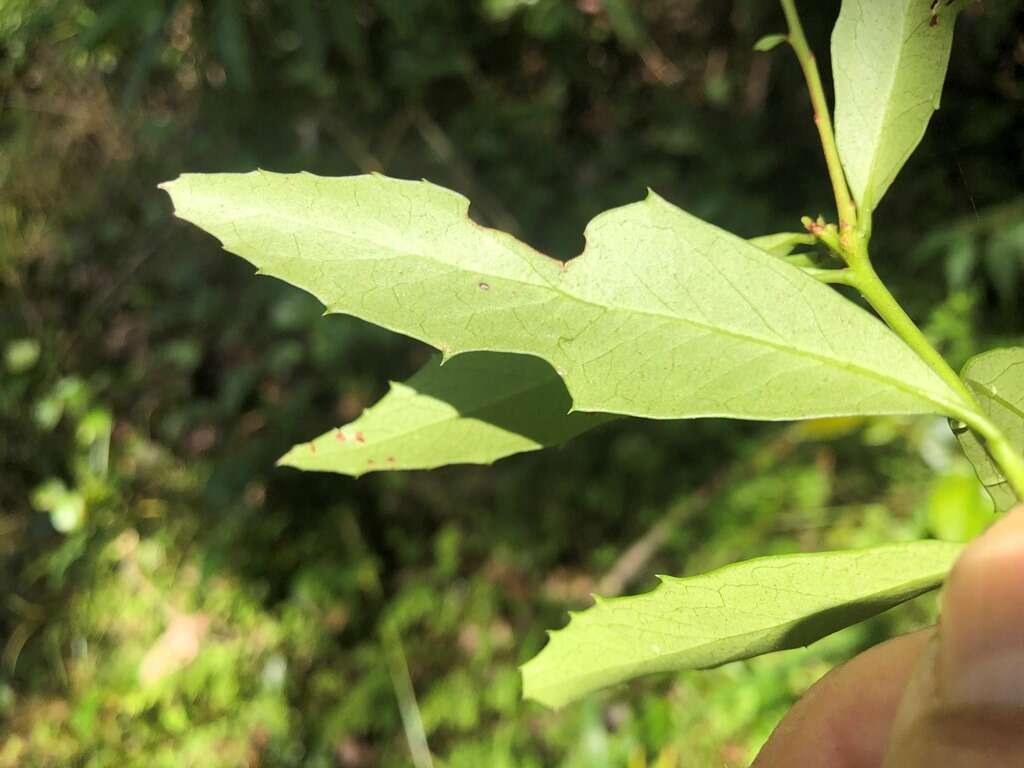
(169, 598)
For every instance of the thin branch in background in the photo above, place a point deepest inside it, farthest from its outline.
(362, 156)
(660, 66)
(392, 135)
(31, 618)
(356, 149)
(442, 146)
(29, 314)
(16, 643)
(635, 559)
(967, 189)
(755, 91)
(412, 722)
(102, 300)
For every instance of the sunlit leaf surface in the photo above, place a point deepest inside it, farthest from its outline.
(662, 316)
(736, 612)
(889, 60)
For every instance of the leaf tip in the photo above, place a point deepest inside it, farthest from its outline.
(287, 460)
(653, 198)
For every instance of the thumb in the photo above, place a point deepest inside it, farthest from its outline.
(964, 705)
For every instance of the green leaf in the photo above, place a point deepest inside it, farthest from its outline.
(997, 380)
(475, 409)
(663, 316)
(782, 243)
(889, 59)
(958, 509)
(743, 610)
(768, 42)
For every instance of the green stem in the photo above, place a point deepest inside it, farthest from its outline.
(861, 275)
(844, 203)
(871, 287)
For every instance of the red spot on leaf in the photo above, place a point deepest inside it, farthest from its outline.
(391, 459)
(312, 447)
(339, 436)
(360, 438)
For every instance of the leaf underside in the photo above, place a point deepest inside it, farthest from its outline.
(997, 380)
(663, 316)
(478, 408)
(475, 409)
(737, 612)
(889, 61)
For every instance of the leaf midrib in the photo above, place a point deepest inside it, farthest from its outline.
(943, 407)
(991, 394)
(870, 181)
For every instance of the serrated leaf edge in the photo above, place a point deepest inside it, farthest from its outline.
(925, 584)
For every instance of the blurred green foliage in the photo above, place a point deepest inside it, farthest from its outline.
(169, 598)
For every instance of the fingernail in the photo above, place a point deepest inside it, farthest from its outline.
(981, 656)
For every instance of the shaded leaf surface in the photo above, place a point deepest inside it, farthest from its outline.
(889, 59)
(475, 409)
(663, 316)
(997, 380)
(742, 610)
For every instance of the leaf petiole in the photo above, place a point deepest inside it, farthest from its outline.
(864, 278)
(831, 276)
